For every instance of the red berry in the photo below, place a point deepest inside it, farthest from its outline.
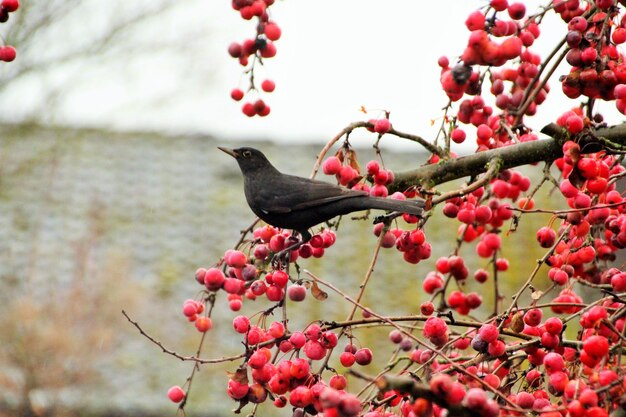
(574, 124)
(203, 324)
(533, 317)
(241, 324)
(502, 264)
(314, 350)
(481, 275)
(363, 356)
(553, 362)
(214, 279)
(458, 135)
(511, 48)
(10, 5)
(296, 292)
(568, 189)
(347, 174)
(546, 237)
(331, 166)
(236, 94)
(338, 382)
(516, 11)
(235, 50)
(347, 359)
(268, 86)
(272, 31)
(299, 368)
(427, 308)
(619, 36)
(484, 132)
(259, 358)
(7, 53)
(248, 109)
(488, 332)
(382, 126)
(589, 55)
(596, 346)
(176, 394)
(277, 330)
(496, 348)
(499, 5)
(475, 21)
(554, 325)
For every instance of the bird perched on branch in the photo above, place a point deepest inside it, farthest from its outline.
(297, 203)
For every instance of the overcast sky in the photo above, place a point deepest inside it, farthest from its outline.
(333, 58)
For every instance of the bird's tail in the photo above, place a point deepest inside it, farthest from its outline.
(415, 207)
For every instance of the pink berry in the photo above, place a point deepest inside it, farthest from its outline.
(241, 324)
(214, 279)
(347, 359)
(554, 325)
(296, 292)
(203, 324)
(382, 126)
(596, 346)
(268, 86)
(458, 135)
(176, 394)
(488, 332)
(297, 339)
(363, 356)
(517, 11)
(272, 31)
(499, 5)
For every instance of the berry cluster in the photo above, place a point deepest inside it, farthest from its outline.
(344, 166)
(597, 64)
(293, 376)
(255, 49)
(253, 276)
(596, 206)
(7, 52)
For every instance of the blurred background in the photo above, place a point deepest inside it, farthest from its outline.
(112, 191)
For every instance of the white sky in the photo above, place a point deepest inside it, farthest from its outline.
(334, 56)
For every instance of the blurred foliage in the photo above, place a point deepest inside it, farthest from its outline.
(58, 58)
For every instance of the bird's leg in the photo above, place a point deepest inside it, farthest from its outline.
(386, 218)
(285, 253)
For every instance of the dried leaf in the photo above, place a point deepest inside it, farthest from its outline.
(517, 322)
(355, 181)
(352, 160)
(536, 295)
(576, 178)
(318, 293)
(340, 155)
(240, 375)
(242, 403)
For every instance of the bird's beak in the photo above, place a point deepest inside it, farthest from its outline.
(229, 151)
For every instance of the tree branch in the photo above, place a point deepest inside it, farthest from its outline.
(612, 139)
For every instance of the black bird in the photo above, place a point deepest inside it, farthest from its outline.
(297, 203)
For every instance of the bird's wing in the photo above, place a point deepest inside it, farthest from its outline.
(306, 193)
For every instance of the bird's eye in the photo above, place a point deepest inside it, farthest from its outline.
(247, 154)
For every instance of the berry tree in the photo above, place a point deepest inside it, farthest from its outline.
(549, 351)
